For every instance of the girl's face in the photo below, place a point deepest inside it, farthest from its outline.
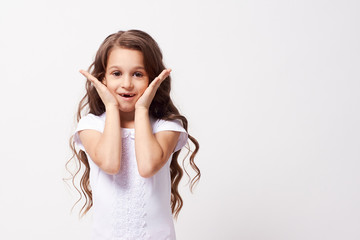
(126, 77)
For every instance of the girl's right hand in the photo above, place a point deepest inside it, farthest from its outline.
(104, 93)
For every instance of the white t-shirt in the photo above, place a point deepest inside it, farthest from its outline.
(126, 205)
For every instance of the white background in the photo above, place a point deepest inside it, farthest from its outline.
(270, 89)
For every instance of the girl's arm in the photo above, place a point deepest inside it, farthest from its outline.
(104, 148)
(152, 151)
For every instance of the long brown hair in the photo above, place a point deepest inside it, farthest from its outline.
(161, 107)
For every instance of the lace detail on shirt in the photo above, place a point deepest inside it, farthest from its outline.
(129, 189)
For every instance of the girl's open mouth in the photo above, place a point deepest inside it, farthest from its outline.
(127, 95)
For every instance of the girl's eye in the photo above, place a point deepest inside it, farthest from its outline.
(116, 73)
(138, 74)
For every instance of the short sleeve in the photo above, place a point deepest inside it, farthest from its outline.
(89, 121)
(172, 125)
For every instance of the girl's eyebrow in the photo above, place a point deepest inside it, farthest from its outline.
(136, 67)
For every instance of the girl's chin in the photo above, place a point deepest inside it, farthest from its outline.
(126, 109)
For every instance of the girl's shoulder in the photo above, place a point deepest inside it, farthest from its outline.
(159, 125)
(92, 121)
(89, 121)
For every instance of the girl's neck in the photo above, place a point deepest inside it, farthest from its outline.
(127, 119)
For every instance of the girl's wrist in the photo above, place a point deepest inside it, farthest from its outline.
(141, 109)
(111, 107)
(141, 112)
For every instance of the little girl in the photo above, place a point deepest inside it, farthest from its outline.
(130, 140)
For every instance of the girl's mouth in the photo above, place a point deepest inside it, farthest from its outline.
(127, 95)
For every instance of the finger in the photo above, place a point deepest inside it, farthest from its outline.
(159, 79)
(164, 74)
(91, 78)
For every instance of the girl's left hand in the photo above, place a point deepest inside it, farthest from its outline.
(145, 100)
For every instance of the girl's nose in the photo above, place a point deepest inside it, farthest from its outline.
(127, 82)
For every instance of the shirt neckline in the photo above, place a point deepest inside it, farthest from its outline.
(128, 129)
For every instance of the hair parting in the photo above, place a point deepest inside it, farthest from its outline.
(161, 107)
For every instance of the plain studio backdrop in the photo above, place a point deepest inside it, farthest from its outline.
(271, 90)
